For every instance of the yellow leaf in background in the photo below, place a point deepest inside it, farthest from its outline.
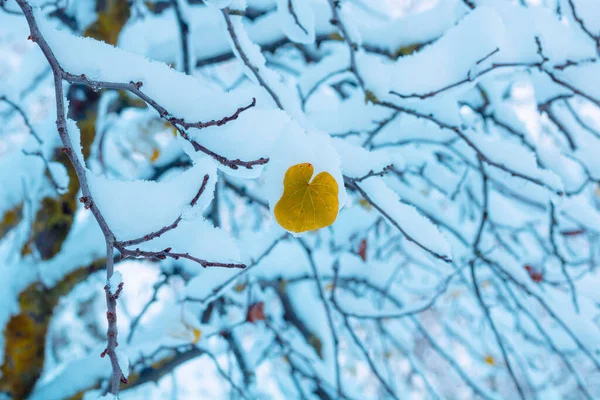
(307, 205)
(186, 333)
(490, 360)
(197, 335)
(370, 97)
(112, 16)
(171, 127)
(154, 156)
(406, 50)
(240, 287)
(184, 327)
(365, 204)
(336, 36)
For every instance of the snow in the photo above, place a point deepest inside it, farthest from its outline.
(419, 228)
(153, 204)
(586, 10)
(420, 73)
(417, 28)
(302, 31)
(580, 209)
(220, 3)
(250, 128)
(358, 162)
(515, 158)
(190, 237)
(183, 96)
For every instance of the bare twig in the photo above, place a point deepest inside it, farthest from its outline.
(57, 187)
(165, 229)
(295, 16)
(61, 124)
(178, 123)
(472, 145)
(60, 75)
(353, 183)
(184, 31)
(352, 47)
(242, 53)
(24, 116)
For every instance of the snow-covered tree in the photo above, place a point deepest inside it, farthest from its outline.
(299, 199)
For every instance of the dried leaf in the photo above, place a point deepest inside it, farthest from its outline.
(535, 275)
(240, 287)
(407, 50)
(365, 204)
(336, 36)
(154, 156)
(197, 335)
(307, 205)
(11, 219)
(575, 232)
(370, 97)
(256, 312)
(489, 360)
(112, 16)
(362, 249)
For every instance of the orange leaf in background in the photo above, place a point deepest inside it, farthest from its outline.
(307, 205)
(256, 312)
(536, 276)
(573, 233)
(362, 249)
(154, 156)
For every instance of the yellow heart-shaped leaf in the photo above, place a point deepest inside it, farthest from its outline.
(307, 205)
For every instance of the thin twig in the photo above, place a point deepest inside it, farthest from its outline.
(246, 60)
